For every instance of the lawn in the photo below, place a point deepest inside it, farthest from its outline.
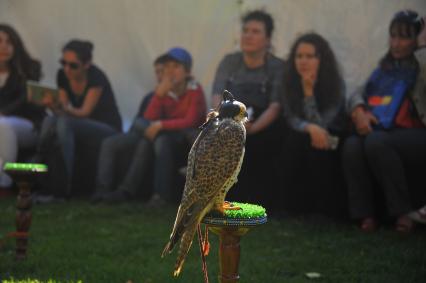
(80, 242)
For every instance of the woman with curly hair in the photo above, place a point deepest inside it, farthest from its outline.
(313, 105)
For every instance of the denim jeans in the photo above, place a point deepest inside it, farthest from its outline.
(167, 148)
(111, 150)
(162, 154)
(68, 131)
(15, 132)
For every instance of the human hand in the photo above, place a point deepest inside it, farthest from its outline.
(165, 85)
(308, 83)
(249, 127)
(153, 129)
(421, 38)
(48, 101)
(363, 120)
(319, 137)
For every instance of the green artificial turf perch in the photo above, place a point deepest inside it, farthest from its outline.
(29, 167)
(247, 211)
(247, 215)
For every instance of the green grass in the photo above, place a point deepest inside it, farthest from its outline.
(78, 242)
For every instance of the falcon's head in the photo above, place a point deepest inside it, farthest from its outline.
(231, 108)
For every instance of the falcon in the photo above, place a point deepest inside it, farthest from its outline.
(213, 165)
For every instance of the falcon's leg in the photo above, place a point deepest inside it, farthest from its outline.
(204, 246)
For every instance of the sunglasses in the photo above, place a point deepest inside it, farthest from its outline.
(72, 65)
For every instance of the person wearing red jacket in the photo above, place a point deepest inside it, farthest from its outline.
(173, 115)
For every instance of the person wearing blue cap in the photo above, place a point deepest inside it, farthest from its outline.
(172, 118)
(389, 116)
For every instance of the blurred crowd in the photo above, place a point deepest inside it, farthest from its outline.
(311, 148)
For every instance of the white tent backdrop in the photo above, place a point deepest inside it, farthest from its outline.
(129, 34)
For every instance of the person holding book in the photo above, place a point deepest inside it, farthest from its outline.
(314, 106)
(389, 117)
(19, 120)
(87, 111)
(174, 113)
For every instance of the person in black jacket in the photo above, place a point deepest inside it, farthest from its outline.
(18, 119)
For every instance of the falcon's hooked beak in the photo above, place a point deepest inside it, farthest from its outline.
(243, 115)
(245, 120)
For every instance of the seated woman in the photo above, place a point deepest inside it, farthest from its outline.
(254, 76)
(389, 115)
(175, 111)
(87, 111)
(18, 119)
(313, 105)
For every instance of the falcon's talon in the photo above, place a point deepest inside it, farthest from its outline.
(230, 206)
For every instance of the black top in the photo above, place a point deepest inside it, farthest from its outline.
(255, 87)
(106, 109)
(13, 100)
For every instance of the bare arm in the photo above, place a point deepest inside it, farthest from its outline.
(216, 99)
(265, 119)
(90, 102)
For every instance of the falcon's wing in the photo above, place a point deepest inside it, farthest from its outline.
(212, 160)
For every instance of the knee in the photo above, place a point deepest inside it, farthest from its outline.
(62, 126)
(48, 122)
(352, 148)
(112, 144)
(374, 144)
(107, 146)
(7, 134)
(5, 127)
(162, 144)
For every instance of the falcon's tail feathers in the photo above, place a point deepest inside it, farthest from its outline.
(185, 245)
(167, 249)
(176, 234)
(175, 237)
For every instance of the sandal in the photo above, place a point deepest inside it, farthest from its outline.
(404, 225)
(419, 215)
(368, 224)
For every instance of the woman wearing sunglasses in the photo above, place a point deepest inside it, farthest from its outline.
(18, 119)
(87, 111)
